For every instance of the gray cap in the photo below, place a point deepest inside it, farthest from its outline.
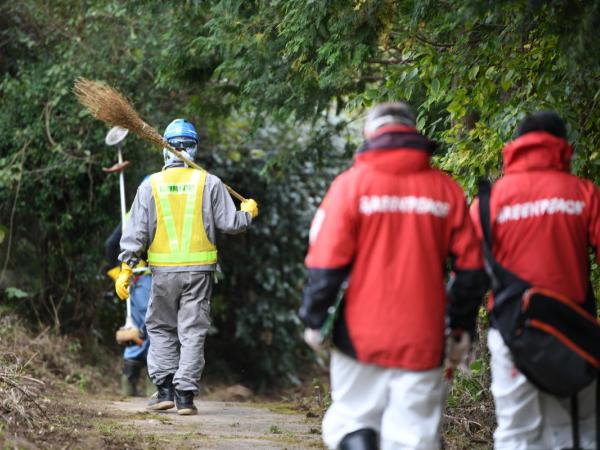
(389, 113)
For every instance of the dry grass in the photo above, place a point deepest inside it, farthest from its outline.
(40, 374)
(469, 418)
(20, 395)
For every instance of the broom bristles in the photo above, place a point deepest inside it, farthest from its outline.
(110, 106)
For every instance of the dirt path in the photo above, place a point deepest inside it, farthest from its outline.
(218, 425)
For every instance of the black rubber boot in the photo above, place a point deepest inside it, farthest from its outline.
(164, 395)
(363, 439)
(185, 403)
(131, 376)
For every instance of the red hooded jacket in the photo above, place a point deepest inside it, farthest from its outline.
(543, 218)
(390, 223)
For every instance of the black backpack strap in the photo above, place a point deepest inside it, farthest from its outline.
(502, 279)
(485, 191)
(575, 421)
(494, 270)
(598, 411)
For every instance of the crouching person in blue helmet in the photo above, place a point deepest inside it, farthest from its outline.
(175, 216)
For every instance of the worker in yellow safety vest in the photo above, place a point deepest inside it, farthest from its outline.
(174, 218)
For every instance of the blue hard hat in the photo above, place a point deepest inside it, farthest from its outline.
(180, 128)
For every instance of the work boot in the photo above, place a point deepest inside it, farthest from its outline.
(363, 439)
(132, 369)
(128, 389)
(164, 396)
(185, 403)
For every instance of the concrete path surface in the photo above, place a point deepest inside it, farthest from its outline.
(221, 425)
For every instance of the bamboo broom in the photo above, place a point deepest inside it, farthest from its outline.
(110, 106)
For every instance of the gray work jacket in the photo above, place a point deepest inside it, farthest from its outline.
(218, 213)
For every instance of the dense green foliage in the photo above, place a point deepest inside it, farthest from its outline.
(275, 87)
(57, 202)
(473, 69)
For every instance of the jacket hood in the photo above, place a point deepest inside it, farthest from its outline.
(396, 149)
(537, 150)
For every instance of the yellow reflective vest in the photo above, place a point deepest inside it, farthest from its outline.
(180, 238)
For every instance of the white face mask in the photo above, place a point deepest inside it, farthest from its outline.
(188, 147)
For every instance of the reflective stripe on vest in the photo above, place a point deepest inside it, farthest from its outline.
(181, 189)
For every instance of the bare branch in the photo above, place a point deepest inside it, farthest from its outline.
(424, 40)
(391, 61)
(372, 78)
(27, 394)
(47, 111)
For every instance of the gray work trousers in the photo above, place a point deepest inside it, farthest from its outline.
(177, 322)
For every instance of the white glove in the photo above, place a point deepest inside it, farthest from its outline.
(458, 347)
(313, 339)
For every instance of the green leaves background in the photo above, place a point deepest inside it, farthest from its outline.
(278, 90)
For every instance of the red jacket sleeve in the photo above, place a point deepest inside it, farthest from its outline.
(332, 238)
(331, 251)
(468, 282)
(465, 244)
(474, 213)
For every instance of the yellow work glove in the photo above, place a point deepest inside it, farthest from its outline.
(250, 206)
(122, 282)
(114, 273)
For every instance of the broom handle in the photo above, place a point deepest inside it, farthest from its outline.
(191, 163)
(122, 188)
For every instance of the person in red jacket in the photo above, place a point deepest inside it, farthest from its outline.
(389, 225)
(543, 221)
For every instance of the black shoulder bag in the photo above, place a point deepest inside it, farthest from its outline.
(554, 342)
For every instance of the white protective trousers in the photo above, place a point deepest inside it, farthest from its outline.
(404, 407)
(529, 419)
